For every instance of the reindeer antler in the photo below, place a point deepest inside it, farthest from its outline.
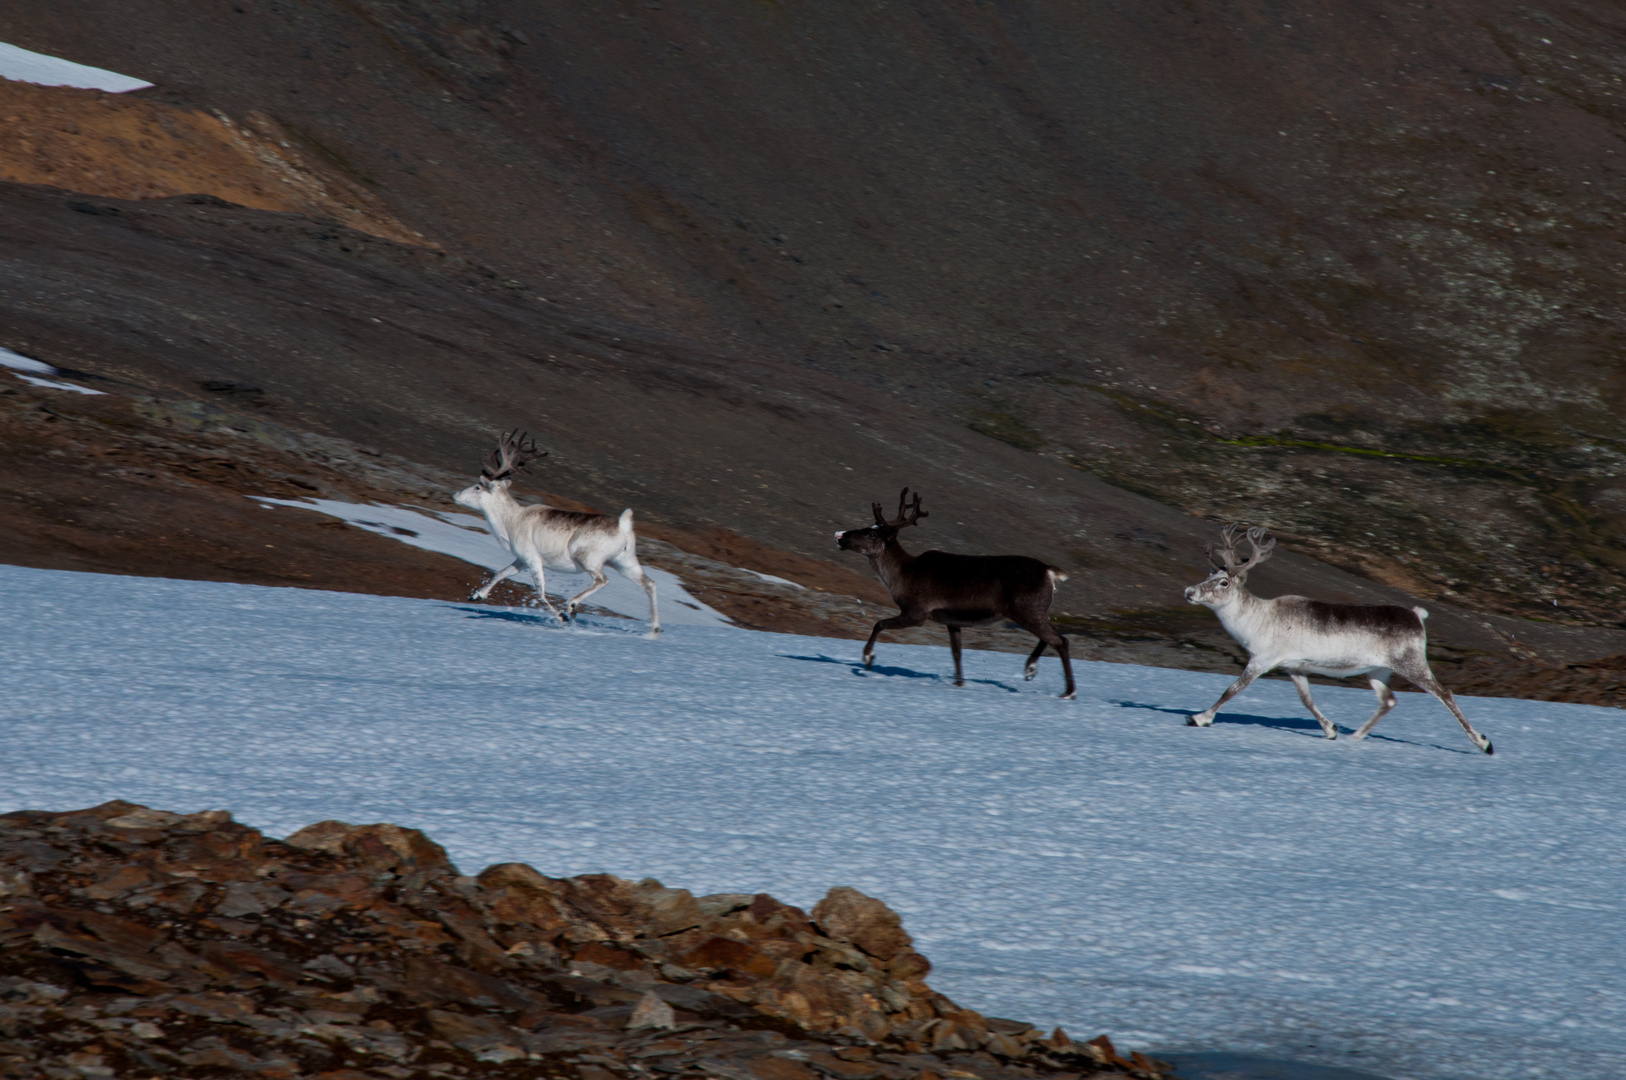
(907, 515)
(511, 455)
(1224, 557)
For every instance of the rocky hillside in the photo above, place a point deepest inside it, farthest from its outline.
(136, 942)
(1093, 278)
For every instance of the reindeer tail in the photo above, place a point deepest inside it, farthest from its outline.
(1056, 576)
(1421, 612)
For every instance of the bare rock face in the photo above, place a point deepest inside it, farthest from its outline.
(137, 942)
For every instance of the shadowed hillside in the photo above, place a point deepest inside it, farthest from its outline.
(1093, 277)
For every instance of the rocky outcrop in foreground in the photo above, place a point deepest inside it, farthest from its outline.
(138, 943)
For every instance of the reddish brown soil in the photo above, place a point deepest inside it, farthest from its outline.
(127, 147)
(141, 497)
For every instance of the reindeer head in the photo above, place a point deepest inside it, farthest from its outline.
(873, 540)
(1224, 583)
(497, 469)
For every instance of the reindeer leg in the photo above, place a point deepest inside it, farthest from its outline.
(1419, 673)
(628, 564)
(1386, 701)
(1038, 624)
(1249, 674)
(1302, 685)
(954, 646)
(542, 592)
(1070, 691)
(1031, 668)
(900, 621)
(599, 581)
(498, 578)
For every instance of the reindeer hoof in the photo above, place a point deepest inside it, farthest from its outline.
(1489, 749)
(1071, 695)
(1192, 721)
(1027, 676)
(869, 661)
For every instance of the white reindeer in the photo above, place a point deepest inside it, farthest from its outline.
(543, 538)
(1311, 637)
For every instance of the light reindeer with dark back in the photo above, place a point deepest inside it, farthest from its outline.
(1306, 637)
(543, 538)
(957, 591)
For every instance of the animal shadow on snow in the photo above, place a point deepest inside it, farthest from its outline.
(509, 616)
(895, 672)
(540, 619)
(1303, 726)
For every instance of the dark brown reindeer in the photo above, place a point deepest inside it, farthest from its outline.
(958, 590)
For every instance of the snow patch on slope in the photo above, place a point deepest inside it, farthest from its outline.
(22, 65)
(21, 366)
(465, 536)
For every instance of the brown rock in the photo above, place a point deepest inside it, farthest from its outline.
(120, 881)
(779, 1068)
(831, 1065)
(133, 962)
(364, 940)
(214, 1006)
(517, 894)
(121, 932)
(651, 1012)
(909, 966)
(377, 847)
(325, 836)
(598, 952)
(1102, 1050)
(218, 1052)
(660, 911)
(431, 982)
(15, 882)
(720, 953)
(488, 1039)
(142, 818)
(180, 897)
(231, 960)
(847, 914)
(570, 1039)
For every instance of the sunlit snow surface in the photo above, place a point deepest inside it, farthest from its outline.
(25, 66)
(1406, 906)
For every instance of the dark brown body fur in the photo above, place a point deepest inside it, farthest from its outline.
(957, 591)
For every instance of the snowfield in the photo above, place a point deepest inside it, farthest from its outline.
(1405, 906)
